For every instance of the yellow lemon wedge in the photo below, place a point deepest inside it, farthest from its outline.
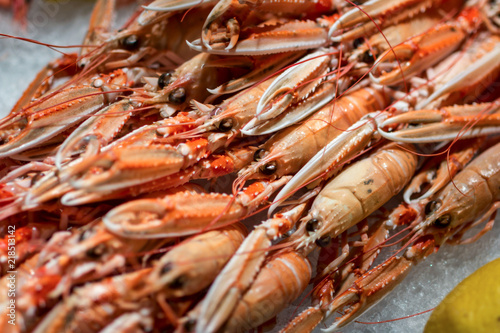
(473, 306)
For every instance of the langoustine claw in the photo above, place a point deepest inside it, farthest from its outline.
(230, 15)
(414, 55)
(173, 215)
(35, 125)
(372, 15)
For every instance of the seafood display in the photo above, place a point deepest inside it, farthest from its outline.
(210, 165)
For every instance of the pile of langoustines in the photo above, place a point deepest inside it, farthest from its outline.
(323, 110)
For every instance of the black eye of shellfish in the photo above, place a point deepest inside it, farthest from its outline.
(443, 221)
(312, 225)
(166, 268)
(130, 43)
(259, 154)
(225, 124)
(164, 80)
(96, 252)
(189, 325)
(432, 206)
(269, 168)
(177, 96)
(178, 282)
(368, 57)
(357, 42)
(324, 241)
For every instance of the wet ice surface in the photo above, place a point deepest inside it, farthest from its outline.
(65, 23)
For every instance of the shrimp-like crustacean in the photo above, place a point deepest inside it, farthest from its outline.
(468, 201)
(286, 152)
(343, 202)
(185, 270)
